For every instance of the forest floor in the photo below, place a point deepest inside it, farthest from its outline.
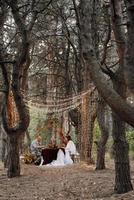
(76, 182)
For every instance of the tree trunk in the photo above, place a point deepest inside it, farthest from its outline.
(101, 144)
(0, 127)
(0, 140)
(113, 98)
(21, 143)
(120, 145)
(93, 102)
(121, 150)
(75, 117)
(91, 127)
(84, 149)
(77, 133)
(4, 147)
(129, 54)
(13, 156)
(122, 168)
(88, 115)
(28, 138)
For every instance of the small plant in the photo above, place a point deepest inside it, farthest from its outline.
(130, 139)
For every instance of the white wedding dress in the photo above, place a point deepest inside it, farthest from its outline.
(62, 159)
(67, 159)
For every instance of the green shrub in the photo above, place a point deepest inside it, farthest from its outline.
(130, 139)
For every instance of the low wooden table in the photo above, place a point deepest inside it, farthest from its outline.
(49, 154)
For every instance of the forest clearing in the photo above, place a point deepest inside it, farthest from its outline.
(77, 182)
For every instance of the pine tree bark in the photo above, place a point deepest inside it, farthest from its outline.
(129, 56)
(84, 149)
(13, 156)
(122, 168)
(121, 151)
(101, 144)
(88, 115)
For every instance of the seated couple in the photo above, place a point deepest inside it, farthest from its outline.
(64, 157)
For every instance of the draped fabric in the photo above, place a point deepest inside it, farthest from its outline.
(62, 159)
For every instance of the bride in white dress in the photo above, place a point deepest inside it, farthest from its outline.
(64, 158)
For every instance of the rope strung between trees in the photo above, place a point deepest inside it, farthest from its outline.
(57, 106)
